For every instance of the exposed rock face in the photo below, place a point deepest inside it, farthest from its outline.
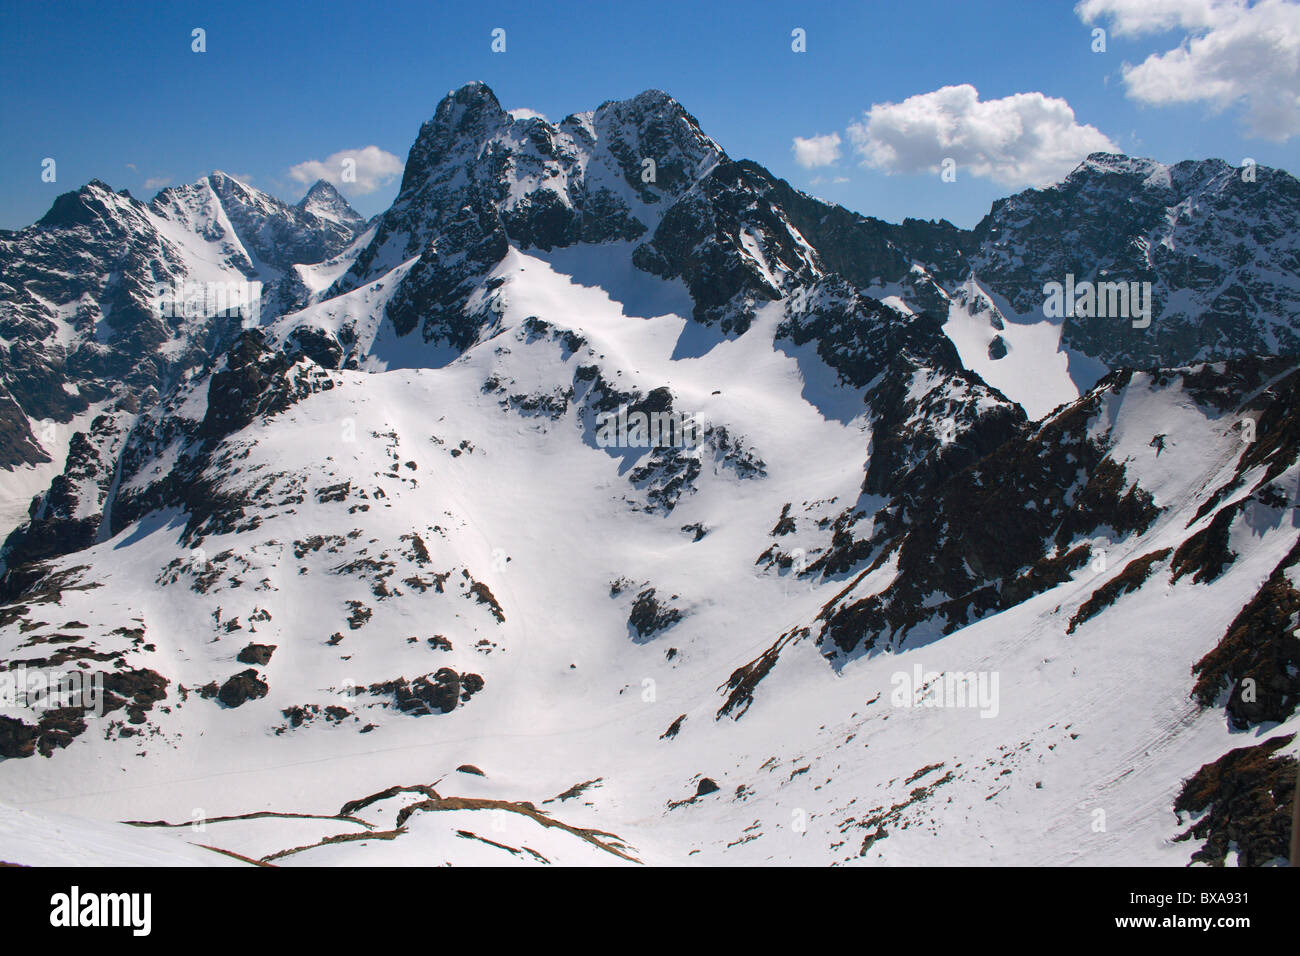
(1007, 525)
(259, 654)
(1212, 244)
(639, 170)
(282, 235)
(325, 202)
(1257, 662)
(241, 688)
(1245, 799)
(68, 516)
(76, 307)
(89, 272)
(440, 692)
(650, 615)
(1219, 244)
(106, 303)
(867, 251)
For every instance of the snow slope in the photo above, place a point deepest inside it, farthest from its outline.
(552, 526)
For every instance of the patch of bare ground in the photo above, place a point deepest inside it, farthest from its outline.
(513, 850)
(1257, 660)
(878, 821)
(256, 815)
(1244, 800)
(600, 839)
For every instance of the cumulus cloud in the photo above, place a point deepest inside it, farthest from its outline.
(1135, 17)
(1027, 139)
(356, 171)
(1231, 53)
(817, 150)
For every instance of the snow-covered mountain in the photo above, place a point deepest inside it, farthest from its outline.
(367, 581)
(326, 202)
(106, 303)
(1220, 246)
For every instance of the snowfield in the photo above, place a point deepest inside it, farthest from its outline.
(1097, 720)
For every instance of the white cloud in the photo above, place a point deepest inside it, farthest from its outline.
(1231, 53)
(374, 168)
(817, 150)
(157, 182)
(1027, 139)
(1134, 17)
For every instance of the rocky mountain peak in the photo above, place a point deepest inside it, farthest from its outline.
(651, 108)
(1213, 242)
(221, 179)
(325, 201)
(93, 202)
(1116, 163)
(464, 118)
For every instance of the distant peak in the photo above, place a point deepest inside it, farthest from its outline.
(82, 206)
(1102, 158)
(325, 201)
(322, 189)
(464, 108)
(1115, 163)
(1155, 174)
(655, 98)
(473, 88)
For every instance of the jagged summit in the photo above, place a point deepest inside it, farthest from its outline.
(651, 104)
(220, 177)
(648, 99)
(1219, 244)
(464, 116)
(95, 201)
(1118, 162)
(478, 180)
(1176, 177)
(325, 201)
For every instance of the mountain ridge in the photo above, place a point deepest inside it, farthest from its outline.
(378, 529)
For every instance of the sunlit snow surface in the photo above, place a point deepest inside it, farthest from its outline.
(1097, 720)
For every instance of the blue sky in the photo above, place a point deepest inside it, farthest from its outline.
(114, 90)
